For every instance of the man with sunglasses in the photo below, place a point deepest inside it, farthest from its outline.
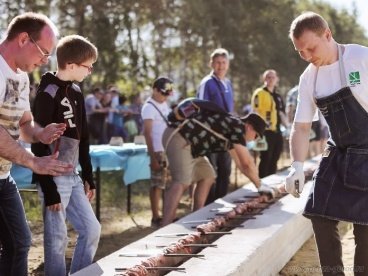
(154, 114)
(30, 39)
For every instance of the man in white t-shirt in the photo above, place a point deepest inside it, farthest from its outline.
(335, 82)
(154, 115)
(29, 42)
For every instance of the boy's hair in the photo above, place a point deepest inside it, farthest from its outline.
(31, 23)
(307, 21)
(219, 52)
(75, 49)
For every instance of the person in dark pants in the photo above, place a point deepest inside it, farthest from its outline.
(269, 157)
(270, 106)
(336, 83)
(29, 42)
(218, 89)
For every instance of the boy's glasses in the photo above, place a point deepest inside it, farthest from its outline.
(90, 68)
(44, 55)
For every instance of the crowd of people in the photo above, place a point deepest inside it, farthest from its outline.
(109, 115)
(191, 145)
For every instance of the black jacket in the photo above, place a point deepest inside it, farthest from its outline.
(60, 101)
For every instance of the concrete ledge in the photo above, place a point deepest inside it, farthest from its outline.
(262, 247)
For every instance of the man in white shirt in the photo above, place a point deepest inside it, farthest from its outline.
(335, 82)
(29, 42)
(154, 115)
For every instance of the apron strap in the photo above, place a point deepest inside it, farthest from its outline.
(341, 67)
(344, 83)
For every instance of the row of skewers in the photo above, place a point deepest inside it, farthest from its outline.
(190, 243)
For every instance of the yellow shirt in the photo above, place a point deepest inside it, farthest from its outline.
(264, 104)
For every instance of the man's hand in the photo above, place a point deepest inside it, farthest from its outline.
(50, 165)
(50, 133)
(155, 165)
(264, 189)
(55, 207)
(295, 180)
(90, 193)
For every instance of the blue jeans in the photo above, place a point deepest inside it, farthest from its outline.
(78, 211)
(15, 236)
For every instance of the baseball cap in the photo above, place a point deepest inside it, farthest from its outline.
(164, 85)
(256, 121)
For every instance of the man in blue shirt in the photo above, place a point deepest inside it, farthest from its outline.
(216, 88)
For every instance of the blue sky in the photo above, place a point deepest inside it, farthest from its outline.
(362, 7)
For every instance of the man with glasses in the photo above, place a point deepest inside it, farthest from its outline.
(29, 40)
(45, 56)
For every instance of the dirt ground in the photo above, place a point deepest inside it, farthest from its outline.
(117, 232)
(305, 262)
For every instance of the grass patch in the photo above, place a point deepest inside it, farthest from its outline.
(113, 197)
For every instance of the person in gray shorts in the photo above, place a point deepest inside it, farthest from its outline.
(198, 127)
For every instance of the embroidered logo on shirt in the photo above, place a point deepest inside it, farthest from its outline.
(354, 78)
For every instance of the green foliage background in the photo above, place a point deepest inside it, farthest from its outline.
(140, 40)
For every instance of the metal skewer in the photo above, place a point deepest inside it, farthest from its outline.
(136, 255)
(139, 255)
(184, 234)
(192, 245)
(173, 235)
(183, 255)
(117, 269)
(196, 221)
(217, 233)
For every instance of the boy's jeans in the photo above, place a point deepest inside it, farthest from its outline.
(78, 211)
(15, 235)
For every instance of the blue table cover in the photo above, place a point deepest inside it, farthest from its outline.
(131, 158)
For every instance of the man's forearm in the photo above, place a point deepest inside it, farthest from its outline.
(244, 161)
(12, 151)
(29, 132)
(252, 174)
(299, 141)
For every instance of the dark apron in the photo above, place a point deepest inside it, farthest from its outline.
(340, 189)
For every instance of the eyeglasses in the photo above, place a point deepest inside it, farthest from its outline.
(90, 68)
(44, 55)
